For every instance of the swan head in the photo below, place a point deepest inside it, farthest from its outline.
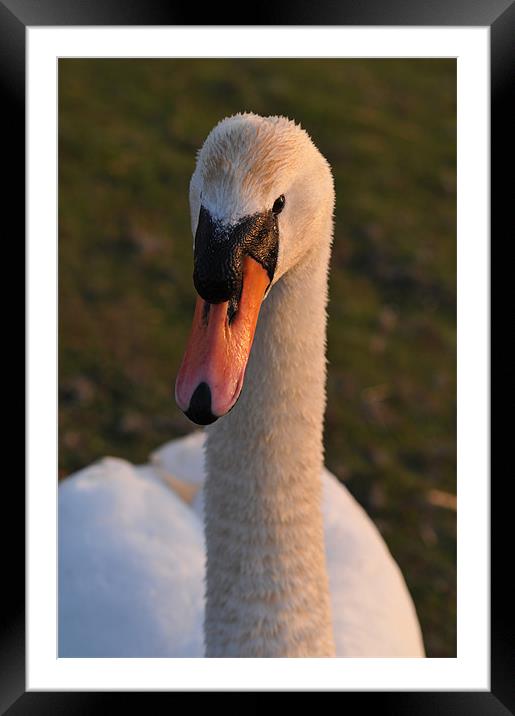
(261, 197)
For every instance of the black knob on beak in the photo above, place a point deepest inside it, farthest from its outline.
(220, 248)
(217, 262)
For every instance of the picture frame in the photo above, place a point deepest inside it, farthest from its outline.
(16, 16)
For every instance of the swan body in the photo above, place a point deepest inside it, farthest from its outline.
(131, 564)
(293, 566)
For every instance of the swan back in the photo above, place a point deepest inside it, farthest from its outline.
(131, 566)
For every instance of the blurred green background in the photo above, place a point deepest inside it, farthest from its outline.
(128, 134)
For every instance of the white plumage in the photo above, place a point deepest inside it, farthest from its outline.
(294, 565)
(131, 564)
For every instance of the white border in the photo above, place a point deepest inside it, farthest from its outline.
(470, 670)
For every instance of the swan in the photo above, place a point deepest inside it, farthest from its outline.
(236, 541)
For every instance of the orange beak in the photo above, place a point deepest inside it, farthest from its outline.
(211, 375)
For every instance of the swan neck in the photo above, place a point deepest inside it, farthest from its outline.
(266, 584)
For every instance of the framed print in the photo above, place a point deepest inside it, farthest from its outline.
(113, 106)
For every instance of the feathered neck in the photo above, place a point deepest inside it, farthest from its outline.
(267, 587)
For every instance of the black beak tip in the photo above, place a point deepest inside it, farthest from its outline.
(199, 410)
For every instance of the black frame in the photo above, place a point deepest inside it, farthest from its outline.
(499, 15)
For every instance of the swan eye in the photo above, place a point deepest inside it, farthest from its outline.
(278, 205)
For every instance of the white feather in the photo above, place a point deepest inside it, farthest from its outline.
(294, 565)
(131, 565)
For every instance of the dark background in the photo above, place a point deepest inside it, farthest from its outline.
(128, 134)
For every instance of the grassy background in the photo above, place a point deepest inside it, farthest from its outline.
(128, 134)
